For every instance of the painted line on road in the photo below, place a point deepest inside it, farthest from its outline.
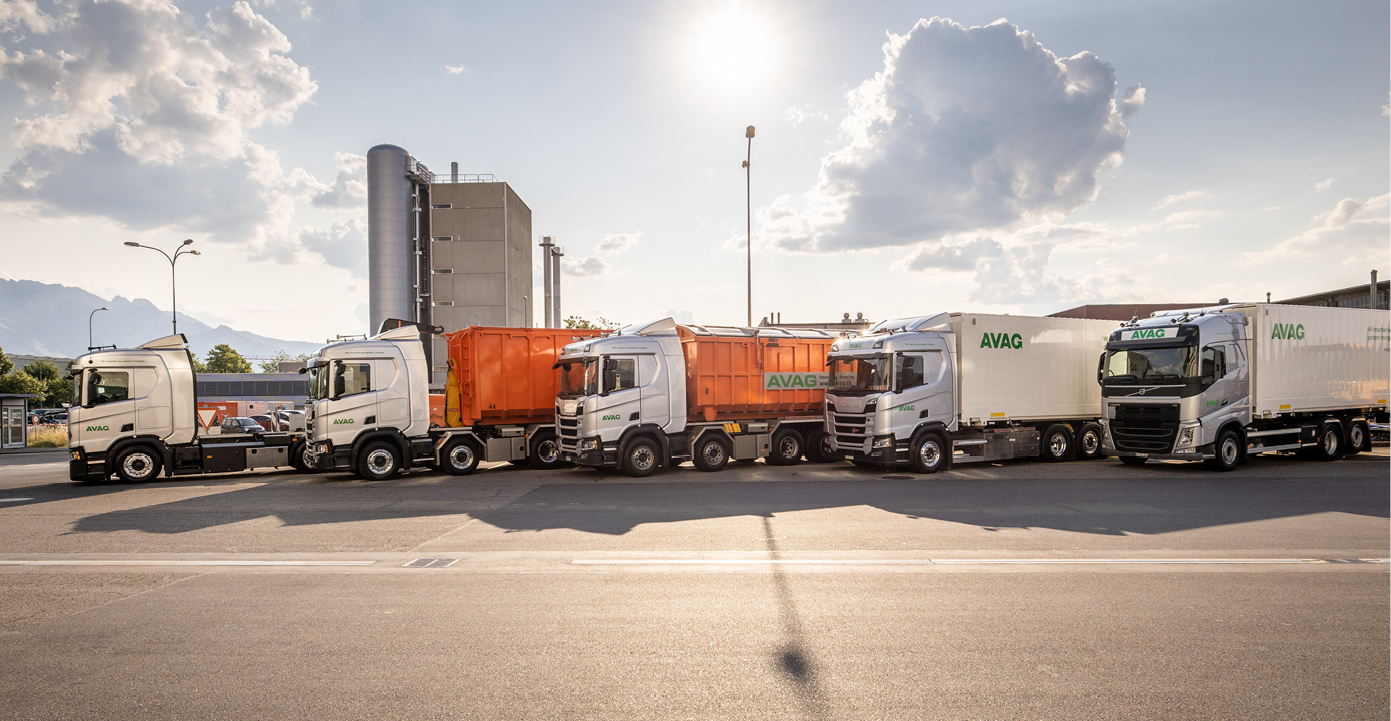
(14, 500)
(183, 563)
(956, 561)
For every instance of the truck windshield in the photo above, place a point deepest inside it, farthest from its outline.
(318, 381)
(860, 375)
(579, 378)
(1150, 365)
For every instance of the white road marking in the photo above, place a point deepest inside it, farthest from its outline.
(14, 500)
(177, 562)
(952, 561)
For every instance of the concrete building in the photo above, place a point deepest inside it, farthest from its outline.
(1371, 295)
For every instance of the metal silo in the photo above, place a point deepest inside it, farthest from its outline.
(390, 254)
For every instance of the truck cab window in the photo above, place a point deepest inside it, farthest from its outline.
(908, 372)
(107, 387)
(352, 378)
(1214, 363)
(620, 374)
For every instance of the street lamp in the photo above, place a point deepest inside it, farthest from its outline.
(89, 327)
(174, 289)
(748, 197)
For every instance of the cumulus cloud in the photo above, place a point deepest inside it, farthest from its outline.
(1171, 199)
(585, 267)
(618, 242)
(798, 115)
(349, 189)
(342, 245)
(455, 69)
(1323, 185)
(966, 130)
(1352, 230)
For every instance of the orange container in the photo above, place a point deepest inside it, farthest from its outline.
(505, 375)
(733, 375)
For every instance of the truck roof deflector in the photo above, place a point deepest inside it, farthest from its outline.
(665, 326)
(168, 342)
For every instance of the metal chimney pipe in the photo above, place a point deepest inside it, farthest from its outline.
(546, 282)
(453, 172)
(1372, 299)
(556, 254)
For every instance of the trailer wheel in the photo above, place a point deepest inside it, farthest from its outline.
(545, 451)
(787, 447)
(928, 453)
(1330, 447)
(138, 464)
(1134, 460)
(378, 461)
(1357, 438)
(459, 457)
(1089, 442)
(1056, 444)
(640, 458)
(710, 454)
(819, 448)
(1228, 449)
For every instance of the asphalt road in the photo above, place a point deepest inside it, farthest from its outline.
(1018, 590)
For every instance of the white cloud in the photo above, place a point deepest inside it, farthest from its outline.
(798, 115)
(618, 243)
(349, 189)
(966, 130)
(1323, 185)
(455, 69)
(1171, 199)
(342, 245)
(585, 267)
(1352, 230)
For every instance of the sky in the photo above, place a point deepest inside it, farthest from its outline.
(909, 157)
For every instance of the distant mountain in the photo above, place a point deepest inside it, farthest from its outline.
(51, 320)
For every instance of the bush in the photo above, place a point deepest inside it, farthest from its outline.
(48, 436)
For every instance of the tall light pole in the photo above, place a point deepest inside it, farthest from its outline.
(748, 197)
(89, 327)
(173, 286)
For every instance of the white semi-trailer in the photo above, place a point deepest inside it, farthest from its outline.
(134, 413)
(1218, 384)
(966, 387)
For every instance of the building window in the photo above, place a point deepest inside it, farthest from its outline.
(441, 206)
(443, 304)
(444, 271)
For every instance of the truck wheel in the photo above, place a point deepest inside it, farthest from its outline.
(545, 451)
(787, 447)
(1330, 447)
(1056, 444)
(640, 458)
(299, 458)
(459, 457)
(1228, 449)
(378, 461)
(1133, 460)
(138, 464)
(711, 454)
(1089, 442)
(928, 453)
(819, 448)
(1357, 439)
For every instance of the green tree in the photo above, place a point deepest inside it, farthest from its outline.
(222, 359)
(198, 365)
(42, 369)
(600, 323)
(6, 365)
(56, 388)
(21, 382)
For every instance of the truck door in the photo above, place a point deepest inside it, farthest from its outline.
(1219, 374)
(351, 403)
(106, 408)
(620, 398)
(923, 388)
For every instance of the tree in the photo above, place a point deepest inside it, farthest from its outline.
(6, 365)
(55, 388)
(21, 382)
(222, 359)
(198, 365)
(42, 369)
(600, 323)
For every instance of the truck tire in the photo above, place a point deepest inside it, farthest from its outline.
(1228, 450)
(545, 451)
(1134, 460)
(819, 448)
(378, 461)
(787, 447)
(299, 458)
(459, 457)
(1089, 442)
(710, 454)
(1357, 439)
(1055, 445)
(1330, 447)
(138, 464)
(928, 454)
(640, 458)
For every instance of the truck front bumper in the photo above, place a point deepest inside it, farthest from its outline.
(83, 466)
(889, 456)
(591, 452)
(1197, 454)
(325, 457)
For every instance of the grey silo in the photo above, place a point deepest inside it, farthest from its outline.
(389, 249)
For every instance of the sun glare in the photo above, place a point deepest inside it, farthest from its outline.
(733, 49)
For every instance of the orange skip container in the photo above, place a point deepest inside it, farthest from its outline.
(727, 375)
(505, 376)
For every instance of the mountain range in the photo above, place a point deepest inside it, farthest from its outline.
(46, 319)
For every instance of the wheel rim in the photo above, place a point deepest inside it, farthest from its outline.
(380, 461)
(1229, 450)
(306, 456)
(929, 454)
(461, 456)
(1330, 442)
(642, 458)
(1057, 445)
(713, 453)
(1355, 437)
(547, 451)
(789, 447)
(138, 465)
(1090, 442)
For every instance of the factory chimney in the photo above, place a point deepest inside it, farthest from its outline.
(546, 245)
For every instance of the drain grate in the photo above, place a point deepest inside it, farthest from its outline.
(431, 563)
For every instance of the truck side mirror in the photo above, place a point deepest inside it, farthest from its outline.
(605, 386)
(1100, 366)
(338, 387)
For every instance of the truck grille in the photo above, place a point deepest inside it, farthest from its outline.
(1145, 428)
(569, 431)
(850, 431)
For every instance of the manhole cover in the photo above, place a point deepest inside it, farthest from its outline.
(431, 563)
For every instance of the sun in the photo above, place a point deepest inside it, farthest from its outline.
(733, 49)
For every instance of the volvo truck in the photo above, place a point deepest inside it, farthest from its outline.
(662, 393)
(933, 391)
(1223, 383)
(370, 407)
(135, 414)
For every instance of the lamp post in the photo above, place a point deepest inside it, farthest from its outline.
(173, 286)
(89, 327)
(748, 198)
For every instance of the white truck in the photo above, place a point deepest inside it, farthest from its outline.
(966, 387)
(134, 413)
(1218, 384)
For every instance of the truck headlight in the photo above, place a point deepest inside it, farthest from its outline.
(74, 455)
(321, 447)
(1185, 437)
(589, 444)
(883, 442)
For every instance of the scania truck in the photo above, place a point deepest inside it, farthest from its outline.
(951, 388)
(1222, 383)
(135, 414)
(661, 393)
(370, 404)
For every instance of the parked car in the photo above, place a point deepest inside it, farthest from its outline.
(291, 420)
(238, 424)
(265, 421)
(55, 418)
